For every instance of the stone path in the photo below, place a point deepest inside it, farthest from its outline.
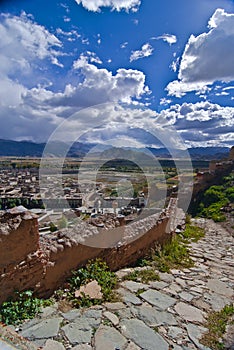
(168, 314)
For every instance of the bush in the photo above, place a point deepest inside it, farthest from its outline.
(210, 204)
(230, 194)
(24, 306)
(214, 211)
(53, 228)
(94, 270)
(213, 194)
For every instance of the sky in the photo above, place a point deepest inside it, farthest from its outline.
(148, 63)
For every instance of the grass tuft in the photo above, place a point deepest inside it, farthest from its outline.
(143, 276)
(216, 323)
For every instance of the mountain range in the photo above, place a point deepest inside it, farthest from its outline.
(10, 148)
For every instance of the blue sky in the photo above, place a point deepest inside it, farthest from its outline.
(172, 60)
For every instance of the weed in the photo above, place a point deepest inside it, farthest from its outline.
(140, 291)
(106, 322)
(193, 233)
(216, 323)
(172, 255)
(143, 262)
(143, 276)
(94, 270)
(188, 219)
(23, 306)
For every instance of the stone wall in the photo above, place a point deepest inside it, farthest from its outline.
(44, 263)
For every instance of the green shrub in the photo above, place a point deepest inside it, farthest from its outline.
(94, 270)
(214, 211)
(53, 228)
(213, 195)
(23, 306)
(211, 202)
(230, 194)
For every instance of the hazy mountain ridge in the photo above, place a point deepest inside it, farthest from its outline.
(12, 148)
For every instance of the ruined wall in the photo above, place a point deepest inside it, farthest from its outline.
(68, 255)
(44, 264)
(18, 237)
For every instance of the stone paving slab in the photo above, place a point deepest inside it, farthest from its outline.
(109, 338)
(47, 328)
(189, 313)
(160, 300)
(144, 336)
(75, 335)
(153, 317)
(168, 314)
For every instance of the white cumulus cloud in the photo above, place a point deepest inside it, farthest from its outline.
(101, 85)
(34, 113)
(118, 5)
(22, 40)
(30, 105)
(207, 57)
(145, 51)
(202, 124)
(169, 38)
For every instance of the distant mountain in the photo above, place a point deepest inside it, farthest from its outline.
(9, 148)
(197, 153)
(208, 153)
(78, 150)
(21, 148)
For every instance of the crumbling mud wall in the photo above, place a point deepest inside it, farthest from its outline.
(19, 236)
(42, 264)
(21, 259)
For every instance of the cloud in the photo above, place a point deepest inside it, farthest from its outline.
(22, 40)
(24, 45)
(208, 57)
(100, 85)
(118, 5)
(146, 51)
(175, 64)
(202, 123)
(31, 109)
(169, 38)
(34, 113)
(91, 57)
(164, 101)
(71, 35)
(124, 45)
